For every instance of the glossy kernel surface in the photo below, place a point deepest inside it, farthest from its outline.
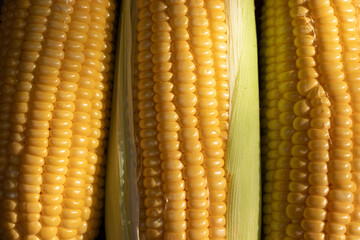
(54, 104)
(309, 94)
(182, 117)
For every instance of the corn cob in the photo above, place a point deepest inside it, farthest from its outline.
(180, 78)
(50, 80)
(323, 199)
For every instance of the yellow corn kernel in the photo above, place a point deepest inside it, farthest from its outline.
(168, 135)
(179, 119)
(47, 117)
(299, 164)
(268, 83)
(91, 95)
(140, 179)
(284, 94)
(40, 113)
(297, 112)
(7, 14)
(12, 39)
(208, 115)
(322, 202)
(100, 102)
(218, 34)
(152, 181)
(308, 87)
(342, 178)
(332, 77)
(57, 164)
(82, 146)
(181, 79)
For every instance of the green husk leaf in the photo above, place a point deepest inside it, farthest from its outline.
(243, 150)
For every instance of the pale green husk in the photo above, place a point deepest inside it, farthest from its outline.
(121, 198)
(243, 153)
